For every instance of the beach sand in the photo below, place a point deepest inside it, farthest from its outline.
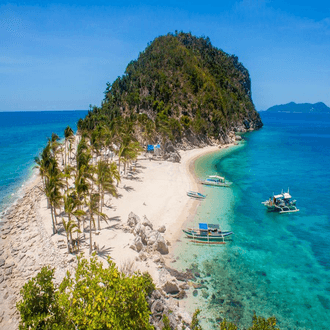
(156, 189)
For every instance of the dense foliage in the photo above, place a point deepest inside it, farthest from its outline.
(181, 83)
(96, 297)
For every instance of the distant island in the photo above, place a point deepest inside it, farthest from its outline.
(293, 107)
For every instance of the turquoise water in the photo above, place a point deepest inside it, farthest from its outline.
(275, 264)
(22, 137)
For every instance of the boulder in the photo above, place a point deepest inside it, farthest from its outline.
(157, 307)
(146, 222)
(171, 287)
(137, 230)
(174, 157)
(158, 242)
(133, 220)
(161, 229)
(138, 244)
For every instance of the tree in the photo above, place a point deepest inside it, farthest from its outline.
(68, 136)
(104, 298)
(39, 307)
(71, 204)
(95, 297)
(105, 183)
(92, 204)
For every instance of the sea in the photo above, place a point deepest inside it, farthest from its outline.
(275, 264)
(23, 135)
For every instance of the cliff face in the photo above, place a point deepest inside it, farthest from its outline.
(186, 87)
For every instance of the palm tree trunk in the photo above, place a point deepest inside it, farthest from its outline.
(90, 235)
(98, 216)
(65, 153)
(54, 226)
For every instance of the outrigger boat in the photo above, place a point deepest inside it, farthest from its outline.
(195, 194)
(207, 233)
(215, 180)
(281, 203)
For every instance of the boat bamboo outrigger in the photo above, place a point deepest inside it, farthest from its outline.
(215, 180)
(281, 203)
(207, 233)
(195, 194)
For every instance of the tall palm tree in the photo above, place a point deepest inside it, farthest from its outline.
(68, 136)
(52, 191)
(105, 183)
(92, 204)
(71, 204)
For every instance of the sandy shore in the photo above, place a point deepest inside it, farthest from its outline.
(156, 189)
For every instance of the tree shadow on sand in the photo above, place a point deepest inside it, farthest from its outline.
(128, 188)
(104, 251)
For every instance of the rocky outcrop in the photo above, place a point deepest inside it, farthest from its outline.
(145, 236)
(172, 285)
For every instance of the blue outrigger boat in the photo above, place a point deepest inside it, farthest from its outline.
(207, 233)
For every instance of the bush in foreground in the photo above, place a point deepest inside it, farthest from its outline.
(94, 298)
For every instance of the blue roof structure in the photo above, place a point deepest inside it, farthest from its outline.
(203, 226)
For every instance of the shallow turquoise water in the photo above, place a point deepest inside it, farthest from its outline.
(22, 137)
(275, 264)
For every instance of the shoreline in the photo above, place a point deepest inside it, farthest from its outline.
(157, 191)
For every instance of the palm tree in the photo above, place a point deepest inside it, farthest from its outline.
(92, 204)
(52, 192)
(105, 183)
(71, 204)
(68, 136)
(129, 152)
(70, 227)
(67, 171)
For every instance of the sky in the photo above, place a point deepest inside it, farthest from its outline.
(59, 56)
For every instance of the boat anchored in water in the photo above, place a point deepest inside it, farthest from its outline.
(281, 203)
(196, 195)
(207, 233)
(215, 180)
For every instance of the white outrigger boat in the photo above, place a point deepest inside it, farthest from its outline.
(281, 203)
(196, 195)
(215, 180)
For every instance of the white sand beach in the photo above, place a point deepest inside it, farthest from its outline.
(156, 189)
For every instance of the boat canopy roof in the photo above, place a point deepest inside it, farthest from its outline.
(216, 177)
(285, 196)
(206, 226)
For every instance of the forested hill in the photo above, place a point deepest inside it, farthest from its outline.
(319, 107)
(180, 86)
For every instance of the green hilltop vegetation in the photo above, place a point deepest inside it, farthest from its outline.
(319, 107)
(179, 85)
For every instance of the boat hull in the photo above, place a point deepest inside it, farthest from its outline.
(216, 184)
(212, 237)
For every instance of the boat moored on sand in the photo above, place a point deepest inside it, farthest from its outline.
(215, 180)
(196, 195)
(281, 203)
(207, 233)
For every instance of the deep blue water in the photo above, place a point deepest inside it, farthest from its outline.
(276, 264)
(22, 137)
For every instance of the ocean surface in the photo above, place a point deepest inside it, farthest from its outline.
(23, 135)
(275, 264)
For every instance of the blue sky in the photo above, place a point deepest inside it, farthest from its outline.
(59, 56)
